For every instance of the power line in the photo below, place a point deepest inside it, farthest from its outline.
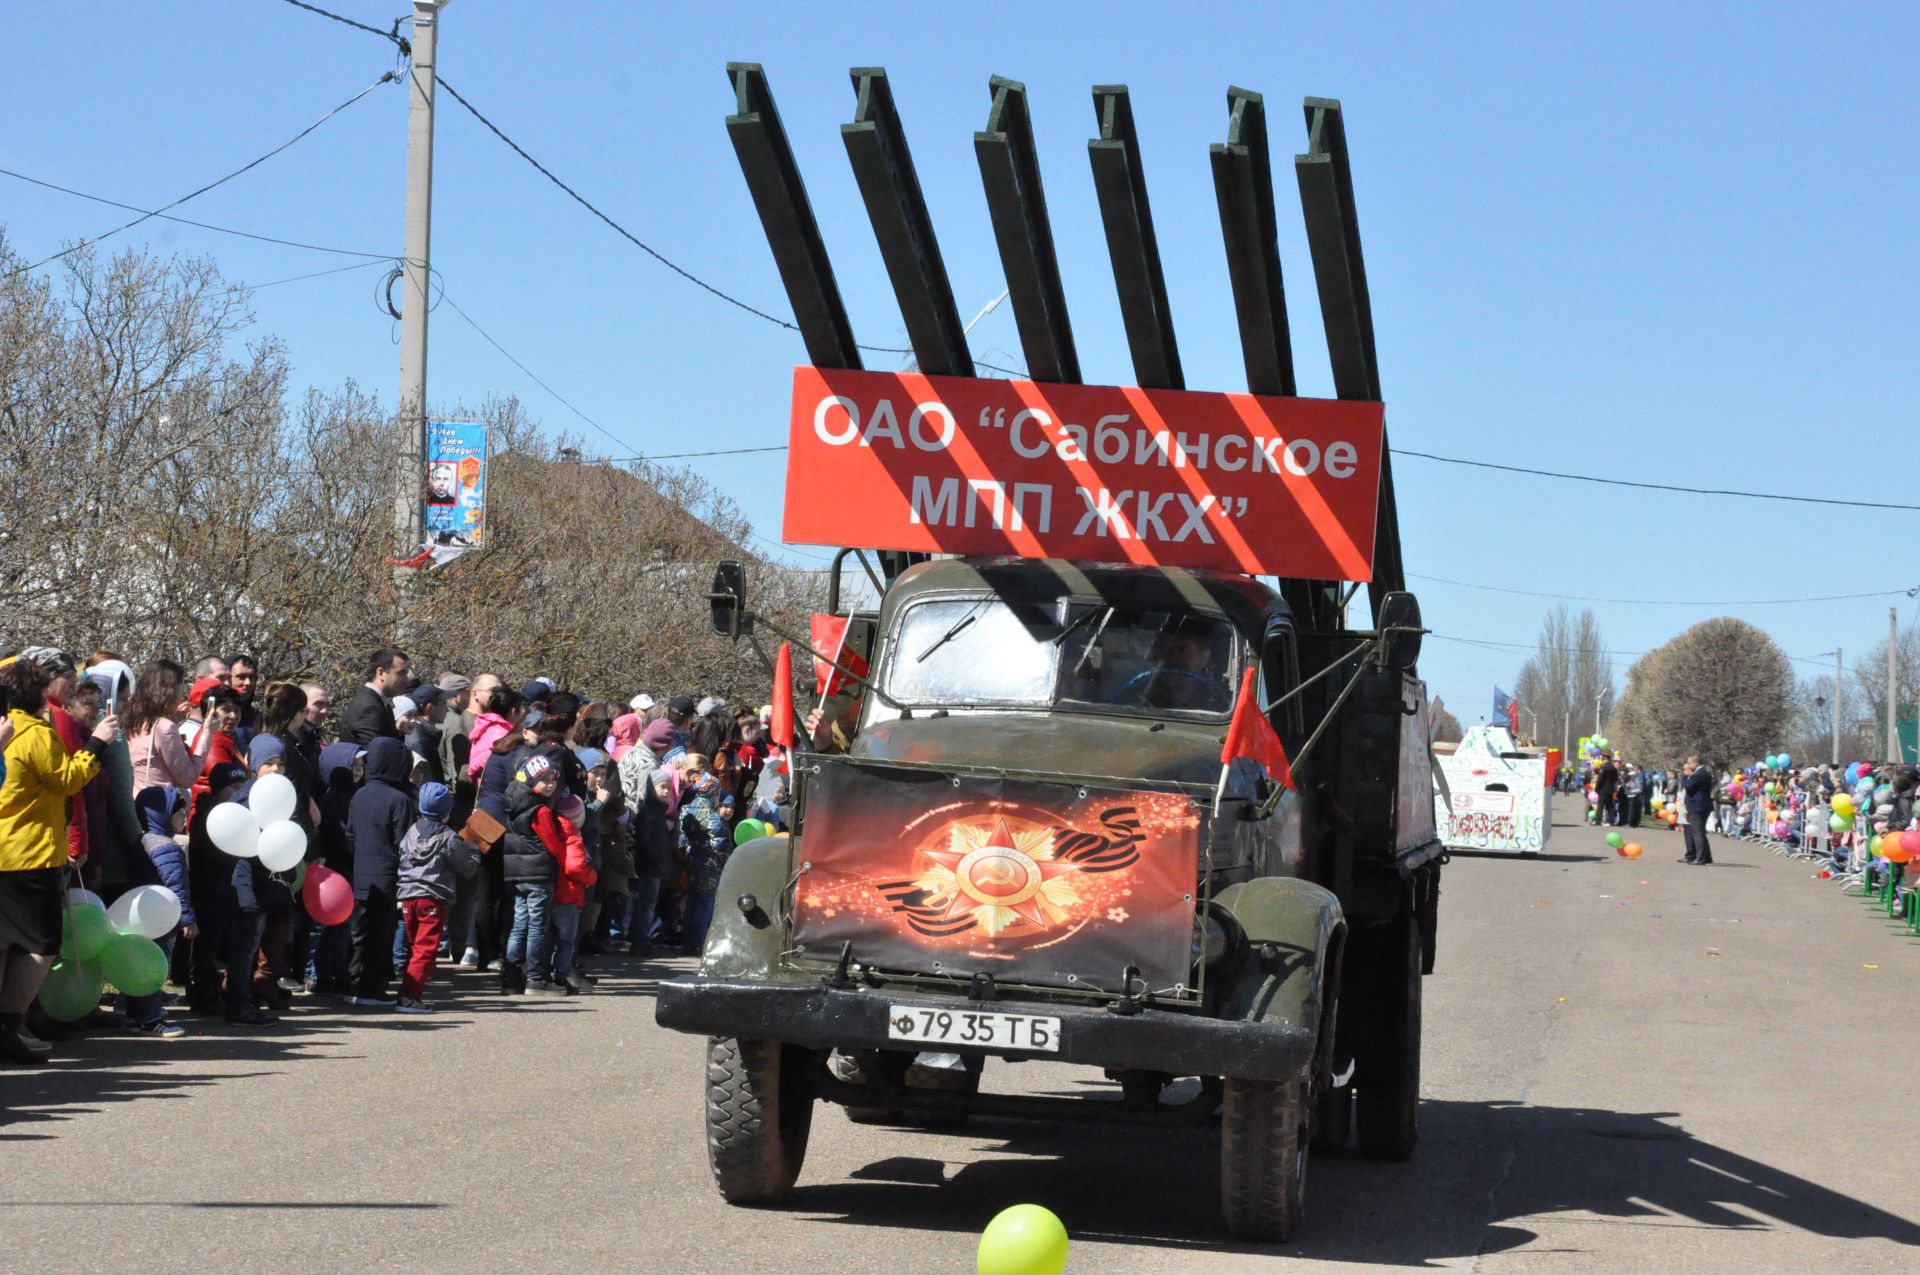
(188, 221)
(393, 35)
(317, 274)
(1689, 491)
(506, 354)
(1661, 602)
(389, 77)
(1574, 650)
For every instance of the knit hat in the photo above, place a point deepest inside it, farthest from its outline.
(571, 808)
(436, 801)
(590, 758)
(224, 775)
(265, 748)
(200, 688)
(454, 683)
(403, 706)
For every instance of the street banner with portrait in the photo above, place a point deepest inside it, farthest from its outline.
(1027, 881)
(1170, 478)
(454, 498)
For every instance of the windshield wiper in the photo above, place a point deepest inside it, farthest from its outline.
(972, 614)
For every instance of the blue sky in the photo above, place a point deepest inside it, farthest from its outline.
(1669, 243)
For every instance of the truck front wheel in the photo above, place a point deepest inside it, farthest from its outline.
(1263, 1158)
(759, 1113)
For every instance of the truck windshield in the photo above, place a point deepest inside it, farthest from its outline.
(964, 651)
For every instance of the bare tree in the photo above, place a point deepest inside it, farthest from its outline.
(1722, 689)
(1566, 676)
(1868, 687)
(1446, 727)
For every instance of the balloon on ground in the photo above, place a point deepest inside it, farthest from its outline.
(150, 911)
(1633, 850)
(1023, 1240)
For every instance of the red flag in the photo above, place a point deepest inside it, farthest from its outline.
(783, 697)
(830, 639)
(1252, 735)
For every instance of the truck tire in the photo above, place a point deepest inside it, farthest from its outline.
(758, 1117)
(1387, 1087)
(1263, 1158)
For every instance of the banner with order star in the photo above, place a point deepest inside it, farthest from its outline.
(1029, 882)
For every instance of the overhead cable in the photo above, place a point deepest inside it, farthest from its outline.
(388, 78)
(1668, 602)
(1689, 491)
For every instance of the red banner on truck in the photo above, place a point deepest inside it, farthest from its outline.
(940, 464)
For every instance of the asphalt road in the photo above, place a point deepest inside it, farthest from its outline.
(1630, 1066)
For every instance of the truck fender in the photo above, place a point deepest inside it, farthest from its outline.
(1288, 971)
(742, 945)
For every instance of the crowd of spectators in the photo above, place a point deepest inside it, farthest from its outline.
(1839, 815)
(514, 830)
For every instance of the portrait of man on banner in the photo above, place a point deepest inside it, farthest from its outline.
(454, 490)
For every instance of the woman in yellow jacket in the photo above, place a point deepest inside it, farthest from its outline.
(40, 778)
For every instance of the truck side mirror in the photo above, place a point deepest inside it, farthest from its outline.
(728, 600)
(1400, 622)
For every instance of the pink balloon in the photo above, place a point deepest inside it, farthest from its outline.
(328, 895)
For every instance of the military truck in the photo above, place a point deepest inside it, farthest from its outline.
(1016, 833)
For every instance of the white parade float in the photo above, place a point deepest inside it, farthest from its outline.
(1492, 793)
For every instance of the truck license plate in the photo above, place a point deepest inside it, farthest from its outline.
(1015, 1033)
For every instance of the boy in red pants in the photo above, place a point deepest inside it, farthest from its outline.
(432, 857)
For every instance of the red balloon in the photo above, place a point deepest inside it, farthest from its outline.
(328, 895)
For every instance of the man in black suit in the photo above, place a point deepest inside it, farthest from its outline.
(1698, 787)
(1606, 782)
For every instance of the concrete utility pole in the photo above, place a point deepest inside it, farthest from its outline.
(1599, 697)
(1893, 689)
(410, 469)
(1837, 693)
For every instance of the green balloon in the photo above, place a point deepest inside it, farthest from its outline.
(72, 990)
(134, 964)
(1839, 823)
(1023, 1240)
(1615, 840)
(85, 933)
(749, 830)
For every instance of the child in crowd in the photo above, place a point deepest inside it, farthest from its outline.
(704, 837)
(432, 859)
(575, 876)
(378, 818)
(163, 813)
(531, 853)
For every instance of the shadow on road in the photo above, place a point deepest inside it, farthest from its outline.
(1484, 1170)
(108, 1065)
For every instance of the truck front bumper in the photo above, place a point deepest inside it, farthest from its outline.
(1175, 1042)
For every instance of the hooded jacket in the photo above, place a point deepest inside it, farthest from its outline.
(336, 798)
(653, 839)
(496, 779)
(424, 741)
(488, 728)
(433, 857)
(576, 870)
(156, 806)
(41, 776)
(379, 815)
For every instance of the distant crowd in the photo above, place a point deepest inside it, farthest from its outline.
(520, 830)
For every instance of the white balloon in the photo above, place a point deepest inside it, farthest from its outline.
(282, 845)
(272, 799)
(232, 828)
(76, 896)
(150, 911)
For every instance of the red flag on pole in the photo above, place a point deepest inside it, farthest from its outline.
(783, 697)
(1252, 735)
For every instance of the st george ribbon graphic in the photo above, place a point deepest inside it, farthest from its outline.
(1029, 882)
